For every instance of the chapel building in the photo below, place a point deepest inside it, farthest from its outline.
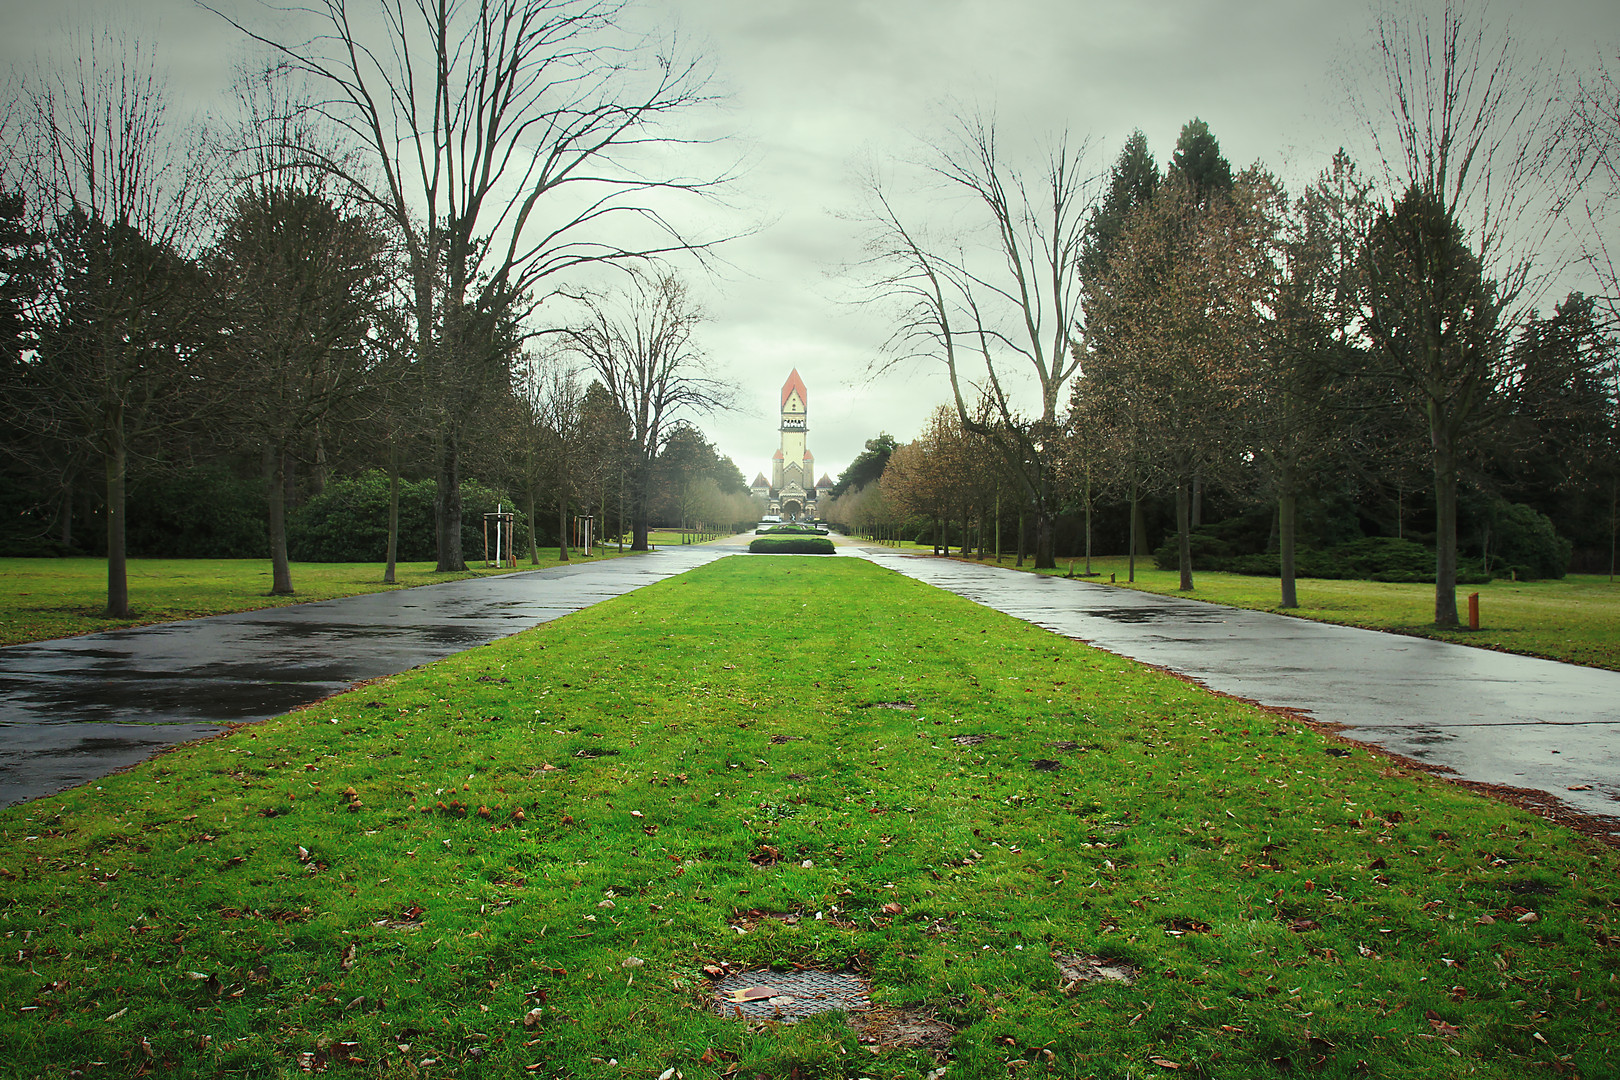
(793, 486)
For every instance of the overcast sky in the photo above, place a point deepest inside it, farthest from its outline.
(819, 87)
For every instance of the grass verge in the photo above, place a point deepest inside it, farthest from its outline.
(52, 598)
(1576, 619)
(520, 861)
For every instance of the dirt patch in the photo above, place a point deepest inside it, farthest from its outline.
(1075, 969)
(595, 752)
(904, 706)
(780, 739)
(1045, 765)
(915, 1028)
(1062, 746)
(972, 740)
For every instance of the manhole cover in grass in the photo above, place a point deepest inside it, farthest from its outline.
(1074, 968)
(789, 995)
(904, 706)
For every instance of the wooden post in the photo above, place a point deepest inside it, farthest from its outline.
(1473, 611)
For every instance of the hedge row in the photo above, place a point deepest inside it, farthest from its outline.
(791, 545)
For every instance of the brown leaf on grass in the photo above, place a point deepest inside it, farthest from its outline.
(1378, 864)
(1529, 917)
(519, 815)
(1300, 926)
(348, 957)
(892, 908)
(1165, 1063)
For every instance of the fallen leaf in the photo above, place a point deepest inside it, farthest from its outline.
(1165, 1063)
(892, 908)
(751, 993)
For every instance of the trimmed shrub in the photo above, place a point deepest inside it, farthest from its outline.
(791, 545)
(792, 529)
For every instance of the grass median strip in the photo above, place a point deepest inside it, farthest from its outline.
(537, 857)
(52, 598)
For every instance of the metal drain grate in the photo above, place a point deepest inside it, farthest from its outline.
(789, 995)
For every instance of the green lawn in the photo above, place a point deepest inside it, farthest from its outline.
(51, 598)
(1576, 619)
(523, 860)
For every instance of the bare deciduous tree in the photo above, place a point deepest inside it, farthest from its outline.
(1460, 134)
(508, 141)
(1004, 308)
(642, 347)
(119, 190)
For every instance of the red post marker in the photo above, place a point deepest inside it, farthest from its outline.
(1473, 611)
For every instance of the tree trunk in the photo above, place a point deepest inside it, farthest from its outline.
(275, 487)
(1045, 558)
(1139, 521)
(393, 513)
(66, 535)
(1130, 544)
(117, 460)
(447, 508)
(998, 527)
(1614, 522)
(1020, 560)
(1445, 530)
(1088, 520)
(534, 546)
(1184, 531)
(642, 497)
(1286, 504)
(562, 528)
(1197, 500)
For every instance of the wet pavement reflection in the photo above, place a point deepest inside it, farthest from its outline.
(1491, 717)
(78, 708)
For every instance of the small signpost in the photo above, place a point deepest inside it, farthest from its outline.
(584, 533)
(505, 553)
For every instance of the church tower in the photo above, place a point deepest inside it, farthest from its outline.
(793, 474)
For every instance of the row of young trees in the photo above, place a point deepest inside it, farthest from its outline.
(352, 273)
(1196, 326)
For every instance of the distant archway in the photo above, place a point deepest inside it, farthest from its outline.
(791, 509)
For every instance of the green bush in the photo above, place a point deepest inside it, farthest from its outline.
(791, 545)
(790, 529)
(1371, 558)
(348, 522)
(203, 513)
(1525, 544)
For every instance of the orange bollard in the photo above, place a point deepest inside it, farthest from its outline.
(1473, 611)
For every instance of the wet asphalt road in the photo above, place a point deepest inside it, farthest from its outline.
(75, 709)
(1491, 717)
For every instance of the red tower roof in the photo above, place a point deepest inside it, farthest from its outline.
(778, 455)
(759, 481)
(795, 383)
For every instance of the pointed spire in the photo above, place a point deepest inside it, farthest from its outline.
(795, 383)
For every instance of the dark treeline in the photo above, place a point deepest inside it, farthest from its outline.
(1347, 379)
(304, 334)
